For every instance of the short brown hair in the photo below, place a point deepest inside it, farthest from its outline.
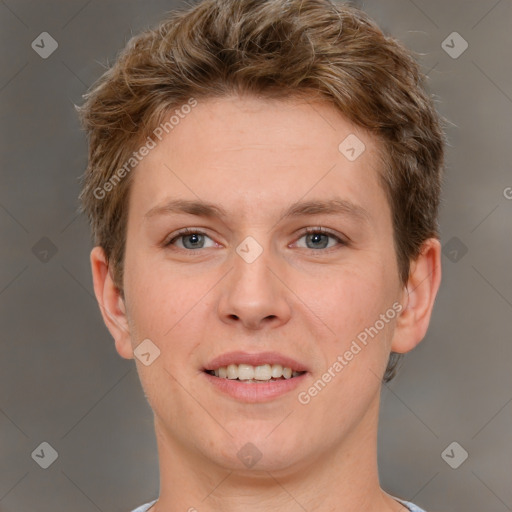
(273, 49)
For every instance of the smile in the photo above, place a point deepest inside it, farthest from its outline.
(249, 373)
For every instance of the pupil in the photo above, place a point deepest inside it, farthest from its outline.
(195, 237)
(315, 238)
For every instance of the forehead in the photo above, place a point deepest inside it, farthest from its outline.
(259, 155)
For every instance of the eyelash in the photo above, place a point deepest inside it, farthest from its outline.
(307, 231)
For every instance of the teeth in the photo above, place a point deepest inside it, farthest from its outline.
(232, 371)
(250, 373)
(245, 372)
(277, 371)
(263, 372)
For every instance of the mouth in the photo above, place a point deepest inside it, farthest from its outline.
(255, 377)
(255, 374)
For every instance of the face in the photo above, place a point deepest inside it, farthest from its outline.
(248, 278)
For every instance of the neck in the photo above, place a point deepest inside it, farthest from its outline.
(343, 478)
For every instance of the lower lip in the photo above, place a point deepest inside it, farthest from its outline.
(254, 392)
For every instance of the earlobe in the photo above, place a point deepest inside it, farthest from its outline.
(111, 303)
(418, 298)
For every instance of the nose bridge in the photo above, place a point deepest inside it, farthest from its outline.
(253, 293)
(251, 272)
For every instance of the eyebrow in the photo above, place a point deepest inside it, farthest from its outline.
(336, 206)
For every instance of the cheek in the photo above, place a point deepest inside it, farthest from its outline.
(169, 308)
(153, 297)
(355, 297)
(357, 355)
(353, 309)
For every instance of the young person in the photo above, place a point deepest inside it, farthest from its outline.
(263, 188)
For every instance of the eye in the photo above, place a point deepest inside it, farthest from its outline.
(191, 239)
(318, 238)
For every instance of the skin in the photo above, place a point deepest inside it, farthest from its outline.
(300, 298)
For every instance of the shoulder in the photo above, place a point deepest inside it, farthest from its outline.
(145, 507)
(411, 506)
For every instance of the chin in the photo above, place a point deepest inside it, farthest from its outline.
(260, 449)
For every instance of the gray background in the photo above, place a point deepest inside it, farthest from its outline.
(61, 380)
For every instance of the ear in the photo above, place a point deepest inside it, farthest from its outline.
(418, 297)
(111, 303)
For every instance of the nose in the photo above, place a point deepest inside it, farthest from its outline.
(254, 294)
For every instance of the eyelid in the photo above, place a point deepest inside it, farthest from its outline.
(341, 239)
(325, 231)
(183, 232)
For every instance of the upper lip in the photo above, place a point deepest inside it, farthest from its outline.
(255, 359)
